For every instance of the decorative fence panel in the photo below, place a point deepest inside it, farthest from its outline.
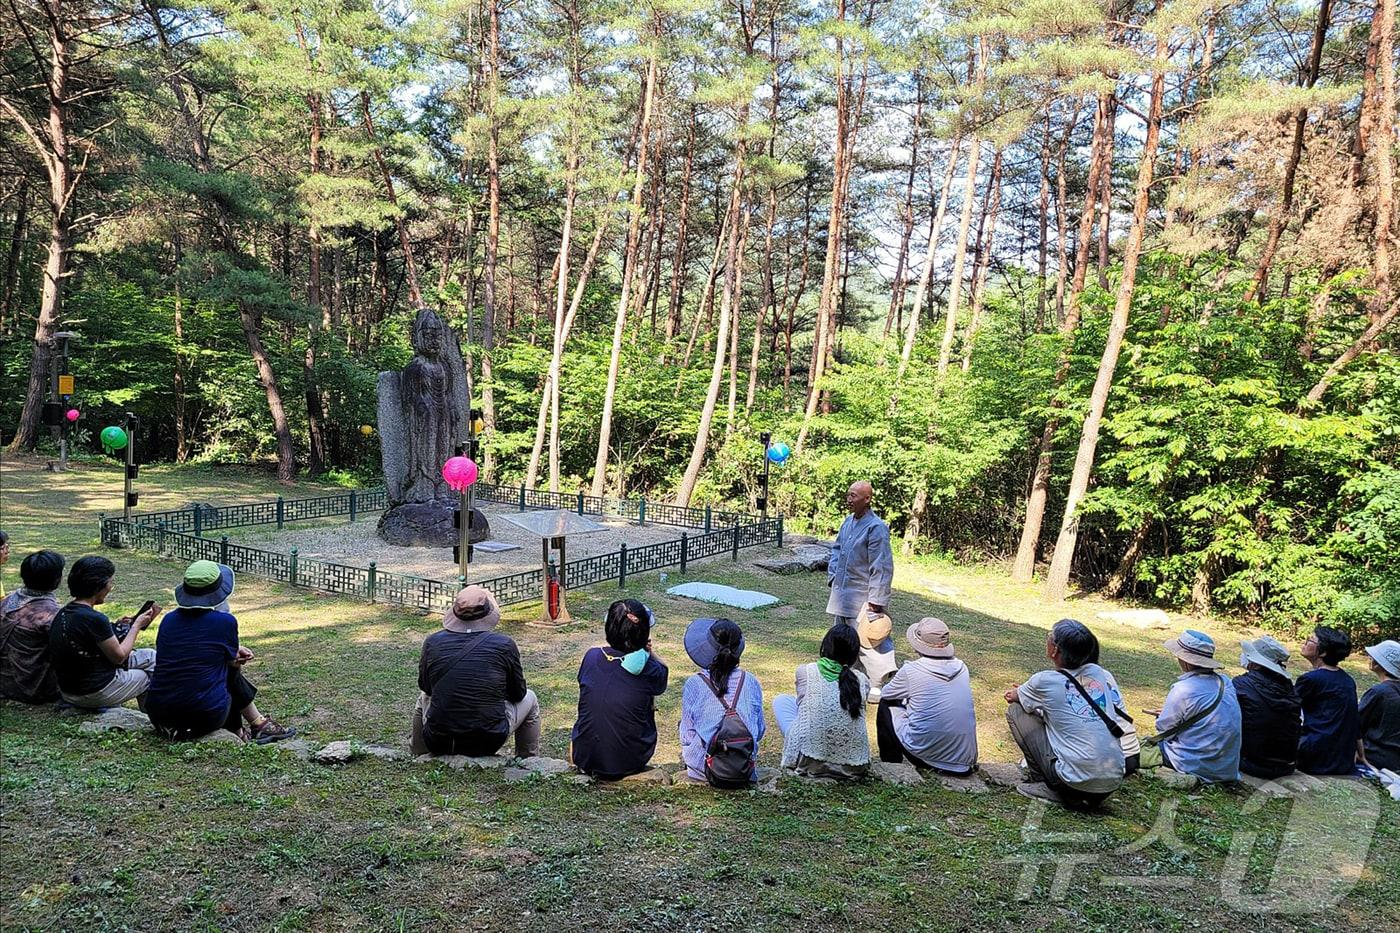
(180, 535)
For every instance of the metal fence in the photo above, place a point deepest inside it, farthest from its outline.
(179, 535)
(198, 519)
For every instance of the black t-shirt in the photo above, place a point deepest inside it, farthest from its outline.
(79, 664)
(1380, 724)
(615, 734)
(470, 677)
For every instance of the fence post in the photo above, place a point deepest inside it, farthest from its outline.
(373, 582)
(102, 528)
(735, 552)
(223, 550)
(522, 497)
(353, 503)
(685, 549)
(580, 502)
(160, 540)
(280, 513)
(780, 530)
(198, 522)
(292, 568)
(707, 516)
(642, 511)
(622, 566)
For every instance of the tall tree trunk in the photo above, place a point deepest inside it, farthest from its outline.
(9, 302)
(629, 260)
(50, 142)
(907, 217)
(935, 230)
(1024, 566)
(796, 296)
(1106, 202)
(493, 239)
(315, 412)
(1057, 581)
(1383, 149)
(1259, 286)
(678, 263)
(950, 323)
(703, 313)
(1043, 244)
(984, 258)
(410, 268)
(1061, 221)
(726, 304)
(182, 448)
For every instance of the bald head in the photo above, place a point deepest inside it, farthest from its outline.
(858, 497)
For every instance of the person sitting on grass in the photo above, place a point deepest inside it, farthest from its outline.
(615, 733)
(1331, 718)
(926, 713)
(1270, 711)
(719, 748)
(199, 686)
(1060, 720)
(1380, 710)
(1198, 726)
(823, 726)
(472, 693)
(25, 618)
(95, 661)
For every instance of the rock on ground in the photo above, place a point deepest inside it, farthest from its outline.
(299, 747)
(517, 775)
(781, 567)
(1266, 787)
(540, 765)
(118, 719)
(650, 776)
(813, 556)
(902, 773)
(336, 753)
(1001, 773)
(1138, 618)
(971, 784)
(384, 753)
(220, 737)
(1172, 778)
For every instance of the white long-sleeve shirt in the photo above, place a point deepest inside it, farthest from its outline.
(861, 569)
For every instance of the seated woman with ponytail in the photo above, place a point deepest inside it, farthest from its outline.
(823, 726)
(720, 748)
(615, 734)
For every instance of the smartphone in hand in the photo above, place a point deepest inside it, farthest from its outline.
(146, 607)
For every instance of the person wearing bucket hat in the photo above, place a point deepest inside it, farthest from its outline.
(199, 686)
(1270, 711)
(926, 714)
(472, 692)
(614, 735)
(96, 661)
(716, 746)
(1380, 709)
(1198, 726)
(1331, 716)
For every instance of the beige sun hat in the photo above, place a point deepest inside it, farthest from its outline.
(930, 637)
(473, 610)
(873, 627)
(1266, 652)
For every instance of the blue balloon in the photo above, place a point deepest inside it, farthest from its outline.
(779, 453)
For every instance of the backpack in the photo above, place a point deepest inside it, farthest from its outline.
(729, 756)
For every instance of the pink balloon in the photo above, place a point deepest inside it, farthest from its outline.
(459, 472)
(73, 414)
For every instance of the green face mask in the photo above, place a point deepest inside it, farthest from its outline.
(634, 662)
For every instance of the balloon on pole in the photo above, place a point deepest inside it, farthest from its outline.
(113, 438)
(778, 454)
(459, 472)
(72, 414)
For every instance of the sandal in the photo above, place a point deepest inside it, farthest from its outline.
(269, 730)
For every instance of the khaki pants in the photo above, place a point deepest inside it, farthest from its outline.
(129, 683)
(1028, 730)
(523, 720)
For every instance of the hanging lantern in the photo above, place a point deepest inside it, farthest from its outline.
(366, 430)
(72, 415)
(113, 438)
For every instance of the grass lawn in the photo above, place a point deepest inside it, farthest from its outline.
(124, 831)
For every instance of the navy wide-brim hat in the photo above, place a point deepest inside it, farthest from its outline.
(701, 646)
(205, 586)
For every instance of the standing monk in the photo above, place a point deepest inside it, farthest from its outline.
(860, 573)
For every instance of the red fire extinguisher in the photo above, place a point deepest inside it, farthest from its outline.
(554, 592)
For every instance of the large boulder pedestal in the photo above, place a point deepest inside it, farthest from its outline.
(428, 524)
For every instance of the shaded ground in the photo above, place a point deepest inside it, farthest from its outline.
(123, 831)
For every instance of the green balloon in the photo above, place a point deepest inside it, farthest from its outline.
(113, 438)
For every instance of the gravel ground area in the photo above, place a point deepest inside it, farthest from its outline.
(357, 544)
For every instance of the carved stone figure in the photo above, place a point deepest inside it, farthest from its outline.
(423, 417)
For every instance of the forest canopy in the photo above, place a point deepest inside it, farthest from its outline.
(1101, 288)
